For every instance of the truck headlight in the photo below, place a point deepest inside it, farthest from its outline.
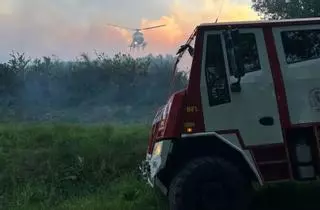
(157, 149)
(159, 157)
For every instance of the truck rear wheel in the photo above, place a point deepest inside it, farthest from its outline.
(209, 184)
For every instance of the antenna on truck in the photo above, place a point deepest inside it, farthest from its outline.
(221, 7)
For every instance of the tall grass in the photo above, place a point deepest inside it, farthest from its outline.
(55, 165)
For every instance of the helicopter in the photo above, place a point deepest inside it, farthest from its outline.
(138, 41)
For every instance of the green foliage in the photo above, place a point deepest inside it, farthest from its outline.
(102, 89)
(279, 9)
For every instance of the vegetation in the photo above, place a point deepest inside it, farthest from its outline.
(71, 167)
(51, 160)
(52, 165)
(103, 89)
(280, 9)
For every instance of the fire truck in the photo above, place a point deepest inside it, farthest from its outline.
(248, 115)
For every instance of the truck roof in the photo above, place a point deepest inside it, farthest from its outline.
(260, 23)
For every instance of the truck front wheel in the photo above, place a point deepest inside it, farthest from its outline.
(208, 184)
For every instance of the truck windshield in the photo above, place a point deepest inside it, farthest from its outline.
(182, 68)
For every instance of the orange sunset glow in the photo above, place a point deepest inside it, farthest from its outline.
(67, 28)
(183, 19)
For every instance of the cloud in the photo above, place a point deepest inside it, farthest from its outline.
(184, 17)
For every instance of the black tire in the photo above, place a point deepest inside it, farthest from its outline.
(209, 184)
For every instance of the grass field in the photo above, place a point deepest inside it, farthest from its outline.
(73, 167)
(60, 167)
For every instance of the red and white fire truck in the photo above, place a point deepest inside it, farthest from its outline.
(250, 113)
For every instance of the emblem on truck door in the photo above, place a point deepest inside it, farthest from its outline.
(314, 99)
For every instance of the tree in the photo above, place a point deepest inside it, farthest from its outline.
(280, 9)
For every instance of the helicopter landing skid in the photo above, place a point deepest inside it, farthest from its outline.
(137, 47)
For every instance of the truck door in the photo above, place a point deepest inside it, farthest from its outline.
(252, 112)
(298, 49)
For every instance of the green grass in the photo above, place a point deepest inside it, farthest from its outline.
(76, 167)
(125, 193)
(73, 167)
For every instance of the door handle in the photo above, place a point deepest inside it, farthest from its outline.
(266, 121)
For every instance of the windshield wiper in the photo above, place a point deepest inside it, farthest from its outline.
(184, 47)
(187, 45)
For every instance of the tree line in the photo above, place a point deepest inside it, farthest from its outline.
(120, 88)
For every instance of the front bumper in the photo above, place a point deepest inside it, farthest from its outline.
(153, 181)
(156, 162)
(145, 170)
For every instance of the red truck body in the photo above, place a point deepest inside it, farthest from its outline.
(271, 120)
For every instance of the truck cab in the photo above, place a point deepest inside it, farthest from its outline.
(248, 113)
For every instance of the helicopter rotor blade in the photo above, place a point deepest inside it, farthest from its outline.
(152, 27)
(117, 26)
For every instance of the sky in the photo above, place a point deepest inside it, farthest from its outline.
(67, 28)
